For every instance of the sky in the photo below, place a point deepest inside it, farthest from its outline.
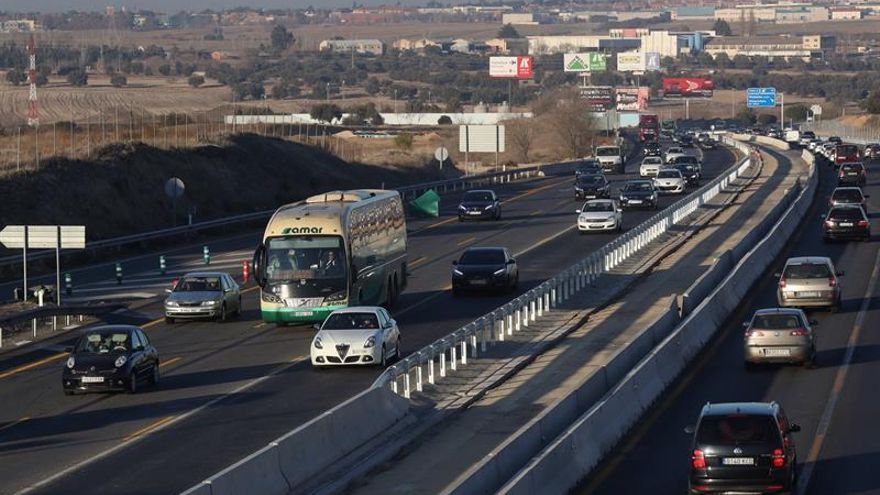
(171, 6)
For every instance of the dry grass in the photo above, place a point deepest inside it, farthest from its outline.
(719, 106)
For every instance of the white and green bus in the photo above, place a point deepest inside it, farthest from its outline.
(330, 251)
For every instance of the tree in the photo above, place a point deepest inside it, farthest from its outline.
(118, 80)
(746, 116)
(444, 120)
(404, 141)
(722, 28)
(507, 32)
(42, 80)
(767, 119)
(372, 87)
(798, 113)
(196, 81)
(282, 39)
(326, 112)
(165, 69)
(872, 103)
(563, 113)
(521, 136)
(78, 77)
(15, 76)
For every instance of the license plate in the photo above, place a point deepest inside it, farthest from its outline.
(473, 213)
(635, 201)
(777, 352)
(304, 313)
(590, 196)
(846, 224)
(738, 461)
(807, 294)
(93, 379)
(478, 282)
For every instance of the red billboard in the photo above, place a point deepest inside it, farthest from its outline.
(688, 87)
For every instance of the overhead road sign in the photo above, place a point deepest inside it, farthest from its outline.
(761, 97)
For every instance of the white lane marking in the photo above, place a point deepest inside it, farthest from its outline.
(837, 388)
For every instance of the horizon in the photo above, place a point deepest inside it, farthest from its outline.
(171, 6)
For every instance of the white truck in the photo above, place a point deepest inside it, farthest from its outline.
(610, 158)
(792, 136)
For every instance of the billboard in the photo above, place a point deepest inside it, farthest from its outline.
(632, 99)
(688, 87)
(512, 67)
(598, 98)
(584, 62)
(481, 138)
(631, 62)
(652, 60)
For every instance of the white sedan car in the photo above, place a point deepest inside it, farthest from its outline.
(672, 153)
(600, 215)
(361, 335)
(670, 181)
(650, 166)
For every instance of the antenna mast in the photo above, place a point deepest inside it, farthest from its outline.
(33, 109)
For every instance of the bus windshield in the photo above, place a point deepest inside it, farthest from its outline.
(311, 262)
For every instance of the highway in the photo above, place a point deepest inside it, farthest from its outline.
(835, 403)
(228, 389)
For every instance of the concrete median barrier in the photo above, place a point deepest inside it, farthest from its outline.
(578, 450)
(258, 473)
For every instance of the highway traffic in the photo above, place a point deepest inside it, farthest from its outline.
(832, 401)
(227, 389)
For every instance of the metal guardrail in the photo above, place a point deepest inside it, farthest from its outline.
(406, 192)
(55, 311)
(493, 327)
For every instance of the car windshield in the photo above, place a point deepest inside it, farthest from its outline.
(477, 197)
(669, 174)
(198, 284)
(847, 196)
(845, 214)
(737, 429)
(103, 343)
(673, 150)
(651, 160)
(847, 149)
(638, 186)
(351, 321)
(599, 206)
(613, 151)
(776, 322)
(686, 159)
(807, 270)
(307, 260)
(482, 257)
(590, 180)
(686, 168)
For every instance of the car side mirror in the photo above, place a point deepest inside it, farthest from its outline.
(511, 261)
(68, 349)
(777, 275)
(454, 262)
(168, 291)
(746, 324)
(577, 211)
(794, 428)
(689, 429)
(316, 326)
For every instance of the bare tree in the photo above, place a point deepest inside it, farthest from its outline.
(521, 134)
(566, 118)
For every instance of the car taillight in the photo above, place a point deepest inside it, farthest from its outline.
(778, 460)
(782, 283)
(754, 333)
(863, 224)
(829, 224)
(800, 332)
(697, 460)
(832, 282)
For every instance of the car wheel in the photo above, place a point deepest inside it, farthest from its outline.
(498, 217)
(810, 362)
(154, 376)
(169, 320)
(515, 285)
(383, 361)
(222, 316)
(132, 383)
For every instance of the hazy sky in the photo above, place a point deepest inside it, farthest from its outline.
(171, 6)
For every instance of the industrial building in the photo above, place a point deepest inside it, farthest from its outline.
(805, 47)
(365, 47)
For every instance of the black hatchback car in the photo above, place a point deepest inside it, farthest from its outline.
(588, 166)
(846, 222)
(852, 174)
(479, 203)
(111, 358)
(484, 268)
(639, 194)
(690, 172)
(591, 186)
(653, 148)
(743, 447)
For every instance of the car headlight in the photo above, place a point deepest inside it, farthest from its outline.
(489, 207)
(71, 362)
(461, 207)
(370, 342)
(171, 304)
(457, 271)
(318, 343)
(335, 297)
(582, 218)
(578, 188)
(120, 361)
(499, 271)
(210, 303)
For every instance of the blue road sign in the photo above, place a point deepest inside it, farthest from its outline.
(761, 97)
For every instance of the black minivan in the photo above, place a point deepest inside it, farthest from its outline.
(743, 447)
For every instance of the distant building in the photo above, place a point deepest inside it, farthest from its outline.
(508, 46)
(519, 19)
(413, 45)
(797, 15)
(846, 14)
(805, 47)
(18, 26)
(693, 14)
(365, 47)
(566, 44)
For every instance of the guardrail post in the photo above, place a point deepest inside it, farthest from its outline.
(1, 337)
(553, 302)
(508, 315)
(394, 379)
(406, 393)
(443, 363)
(474, 344)
(518, 313)
(431, 366)
(464, 350)
(118, 273)
(206, 255)
(532, 306)
(420, 356)
(484, 334)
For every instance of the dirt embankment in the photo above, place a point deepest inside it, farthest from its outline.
(122, 190)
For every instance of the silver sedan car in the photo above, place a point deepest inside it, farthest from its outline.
(212, 295)
(809, 282)
(779, 335)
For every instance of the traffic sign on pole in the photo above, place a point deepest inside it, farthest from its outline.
(761, 97)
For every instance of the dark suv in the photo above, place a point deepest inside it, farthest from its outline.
(480, 203)
(743, 447)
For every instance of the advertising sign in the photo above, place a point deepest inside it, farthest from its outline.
(632, 99)
(584, 62)
(481, 139)
(631, 62)
(761, 97)
(688, 87)
(652, 60)
(512, 67)
(599, 98)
